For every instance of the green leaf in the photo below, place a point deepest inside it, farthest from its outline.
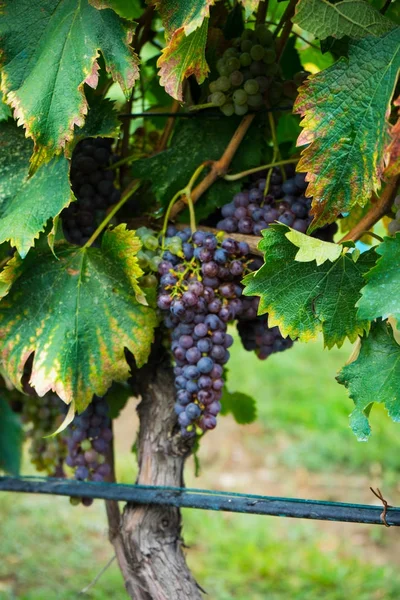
(312, 248)
(373, 377)
(381, 295)
(11, 438)
(117, 397)
(5, 111)
(345, 126)
(242, 407)
(303, 298)
(101, 121)
(170, 171)
(184, 56)
(48, 52)
(26, 204)
(77, 314)
(355, 18)
(127, 9)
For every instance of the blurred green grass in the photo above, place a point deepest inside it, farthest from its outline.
(50, 550)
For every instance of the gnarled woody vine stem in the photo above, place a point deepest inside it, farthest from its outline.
(218, 167)
(147, 539)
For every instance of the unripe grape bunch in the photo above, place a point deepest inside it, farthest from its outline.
(249, 75)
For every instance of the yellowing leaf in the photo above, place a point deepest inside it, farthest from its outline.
(48, 51)
(345, 110)
(186, 15)
(312, 248)
(250, 6)
(184, 56)
(77, 314)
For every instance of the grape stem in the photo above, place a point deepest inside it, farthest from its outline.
(131, 189)
(218, 167)
(251, 240)
(286, 17)
(378, 210)
(262, 12)
(201, 106)
(186, 193)
(279, 163)
(275, 155)
(163, 141)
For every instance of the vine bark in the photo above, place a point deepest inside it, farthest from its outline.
(147, 540)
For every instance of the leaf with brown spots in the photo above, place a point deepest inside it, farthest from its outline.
(186, 26)
(77, 314)
(184, 56)
(345, 110)
(303, 298)
(48, 51)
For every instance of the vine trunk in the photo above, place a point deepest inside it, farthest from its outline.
(147, 539)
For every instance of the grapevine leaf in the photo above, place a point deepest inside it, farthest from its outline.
(101, 121)
(345, 111)
(117, 397)
(186, 15)
(127, 9)
(170, 171)
(26, 204)
(354, 18)
(77, 314)
(11, 438)
(312, 248)
(354, 216)
(302, 297)
(5, 111)
(373, 377)
(119, 245)
(394, 147)
(380, 296)
(184, 56)
(49, 50)
(242, 407)
(250, 6)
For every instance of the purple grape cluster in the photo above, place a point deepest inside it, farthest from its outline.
(250, 211)
(93, 185)
(199, 294)
(89, 442)
(42, 416)
(255, 333)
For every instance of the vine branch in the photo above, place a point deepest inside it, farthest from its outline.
(378, 210)
(218, 167)
(251, 240)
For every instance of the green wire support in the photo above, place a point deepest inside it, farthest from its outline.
(205, 500)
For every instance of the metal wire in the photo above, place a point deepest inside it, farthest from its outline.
(204, 499)
(201, 114)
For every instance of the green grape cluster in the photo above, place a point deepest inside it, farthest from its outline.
(148, 256)
(249, 75)
(42, 417)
